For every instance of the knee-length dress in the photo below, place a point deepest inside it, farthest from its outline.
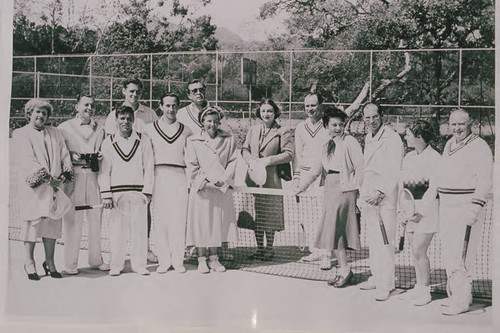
(416, 172)
(37, 150)
(211, 213)
(338, 227)
(275, 143)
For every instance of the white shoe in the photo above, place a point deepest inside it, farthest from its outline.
(446, 302)
(454, 310)
(315, 256)
(103, 267)
(367, 285)
(72, 271)
(114, 272)
(325, 264)
(152, 257)
(422, 295)
(215, 265)
(162, 269)
(202, 265)
(382, 295)
(180, 269)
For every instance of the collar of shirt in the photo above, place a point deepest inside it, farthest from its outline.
(310, 124)
(118, 138)
(370, 137)
(79, 121)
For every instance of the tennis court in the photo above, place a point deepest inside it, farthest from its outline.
(235, 299)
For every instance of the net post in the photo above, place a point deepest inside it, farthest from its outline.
(90, 74)
(216, 77)
(151, 80)
(290, 90)
(34, 77)
(459, 77)
(371, 75)
(111, 95)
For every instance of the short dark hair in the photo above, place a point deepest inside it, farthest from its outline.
(82, 94)
(268, 101)
(423, 128)
(193, 81)
(320, 98)
(329, 112)
(125, 109)
(135, 81)
(170, 94)
(379, 109)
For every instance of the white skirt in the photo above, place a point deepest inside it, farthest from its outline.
(44, 227)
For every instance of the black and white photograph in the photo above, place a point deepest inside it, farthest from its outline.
(248, 166)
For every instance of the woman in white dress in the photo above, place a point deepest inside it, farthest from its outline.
(417, 168)
(44, 164)
(210, 166)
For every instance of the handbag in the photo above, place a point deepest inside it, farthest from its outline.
(245, 220)
(284, 170)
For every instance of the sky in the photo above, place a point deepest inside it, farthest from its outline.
(238, 16)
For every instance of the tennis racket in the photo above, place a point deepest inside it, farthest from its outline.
(407, 211)
(372, 177)
(459, 287)
(123, 204)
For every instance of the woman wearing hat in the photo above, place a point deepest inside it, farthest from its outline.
(210, 166)
(267, 145)
(342, 161)
(44, 164)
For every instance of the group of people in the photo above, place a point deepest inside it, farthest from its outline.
(182, 166)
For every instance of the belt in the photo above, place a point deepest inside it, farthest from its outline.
(171, 165)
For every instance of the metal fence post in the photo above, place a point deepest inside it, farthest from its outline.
(290, 90)
(35, 77)
(151, 80)
(216, 77)
(111, 95)
(371, 75)
(459, 77)
(90, 75)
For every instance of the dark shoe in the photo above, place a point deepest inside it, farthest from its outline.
(32, 276)
(259, 255)
(52, 274)
(269, 254)
(332, 282)
(343, 281)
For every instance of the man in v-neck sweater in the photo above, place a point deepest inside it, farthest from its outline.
(127, 165)
(310, 138)
(462, 181)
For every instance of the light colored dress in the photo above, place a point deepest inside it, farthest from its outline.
(211, 213)
(416, 171)
(276, 144)
(338, 227)
(36, 150)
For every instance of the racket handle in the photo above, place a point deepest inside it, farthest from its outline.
(384, 233)
(85, 207)
(297, 199)
(401, 243)
(466, 242)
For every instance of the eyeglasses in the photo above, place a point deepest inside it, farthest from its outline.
(195, 90)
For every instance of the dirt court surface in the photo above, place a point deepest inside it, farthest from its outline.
(234, 301)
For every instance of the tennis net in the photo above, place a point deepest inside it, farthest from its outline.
(292, 243)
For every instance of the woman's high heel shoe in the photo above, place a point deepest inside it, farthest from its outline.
(53, 274)
(32, 276)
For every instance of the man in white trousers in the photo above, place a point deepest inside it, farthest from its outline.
(127, 166)
(383, 154)
(170, 196)
(462, 182)
(83, 137)
(310, 139)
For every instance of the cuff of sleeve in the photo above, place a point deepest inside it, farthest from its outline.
(106, 195)
(478, 202)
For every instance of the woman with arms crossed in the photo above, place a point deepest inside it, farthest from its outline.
(343, 162)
